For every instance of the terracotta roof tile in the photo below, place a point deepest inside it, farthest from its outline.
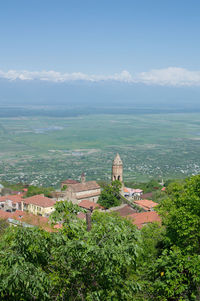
(14, 198)
(40, 200)
(140, 219)
(126, 210)
(29, 218)
(146, 204)
(90, 185)
(88, 204)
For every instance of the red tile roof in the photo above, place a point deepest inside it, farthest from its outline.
(140, 219)
(4, 214)
(40, 200)
(79, 187)
(14, 198)
(87, 204)
(146, 204)
(124, 211)
(29, 218)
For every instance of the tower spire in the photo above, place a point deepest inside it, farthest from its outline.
(117, 169)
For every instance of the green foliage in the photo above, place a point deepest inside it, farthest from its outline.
(110, 195)
(3, 225)
(16, 187)
(158, 196)
(33, 190)
(24, 255)
(146, 186)
(95, 265)
(175, 276)
(100, 264)
(64, 188)
(181, 214)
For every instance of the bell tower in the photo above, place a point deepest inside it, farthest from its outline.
(117, 169)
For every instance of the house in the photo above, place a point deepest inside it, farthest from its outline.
(89, 205)
(131, 192)
(143, 218)
(25, 219)
(124, 210)
(11, 202)
(86, 190)
(147, 205)
(38, 205)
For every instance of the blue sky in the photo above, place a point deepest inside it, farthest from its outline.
(101, 38)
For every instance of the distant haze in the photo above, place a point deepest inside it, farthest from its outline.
(101, 94)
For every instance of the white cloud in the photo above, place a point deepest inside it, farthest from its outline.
(54, 76)
(171, 76)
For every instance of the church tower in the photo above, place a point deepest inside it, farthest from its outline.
(117, 169)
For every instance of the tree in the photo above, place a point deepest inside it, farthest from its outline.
(3, 225)
(99, 264)
(64, 188)
(34, 190)
(110, 195)
(181, 215)
(175, 273)
(174, 276)
(73, 264)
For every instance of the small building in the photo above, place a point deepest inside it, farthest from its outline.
(133, 193)
(147, 205)
(38, 205)
(143, 218)
(11, 202)
(123, 210)
(89, 205)
(86, 190)
(25, 219)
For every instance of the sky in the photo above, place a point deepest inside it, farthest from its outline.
(152, 42)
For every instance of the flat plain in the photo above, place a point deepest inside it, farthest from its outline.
(46, 150)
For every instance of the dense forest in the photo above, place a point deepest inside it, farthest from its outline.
(112, 261)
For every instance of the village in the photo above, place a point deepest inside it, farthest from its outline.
(19, 210)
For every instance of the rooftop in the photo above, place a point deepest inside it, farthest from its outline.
(40, 201)
(117, 160)
(27, 218)
(88, 204)
(140, 219)
(146, 204)
(124, 211)
(90, 185)
(14, 198)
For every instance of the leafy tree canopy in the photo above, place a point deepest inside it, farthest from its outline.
(71, 265)
(33, 190)
(110, 195)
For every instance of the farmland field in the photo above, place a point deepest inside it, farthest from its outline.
(46, 150)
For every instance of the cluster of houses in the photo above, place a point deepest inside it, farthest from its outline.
(35, 210)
